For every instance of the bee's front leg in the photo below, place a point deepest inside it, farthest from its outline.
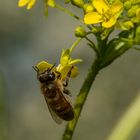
(59, 74)
(65, 84)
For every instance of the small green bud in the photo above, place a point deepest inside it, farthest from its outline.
(138, 14)
(78, 3)
(138, 31)
(134, 20)
(80, 32)
(137, 40)
(132, 11)
(127, 5)
(127, 25)
(88, 8)
(51, 3)
(137, 37)
(67, 1)
(135, 1)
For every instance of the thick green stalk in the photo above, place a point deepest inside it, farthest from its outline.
(2, 110)
(129, 124)
(81, 98)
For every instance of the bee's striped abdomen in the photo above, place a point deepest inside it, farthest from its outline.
(62, 107)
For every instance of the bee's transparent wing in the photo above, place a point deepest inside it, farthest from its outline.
(67, 95)
(55, 117)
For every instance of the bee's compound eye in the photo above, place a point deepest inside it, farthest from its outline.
(51, 76)
(42, 78)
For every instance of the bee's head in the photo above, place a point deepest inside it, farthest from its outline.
(46, 76)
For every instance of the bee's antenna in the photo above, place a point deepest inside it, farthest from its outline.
(52, 67)
(35, 68)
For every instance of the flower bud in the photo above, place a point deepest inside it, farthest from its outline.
(78, 3)
(138, 31)
(137, 37)
(134, 20)
(132, 11)
(138, 14)
(135, 1)
(51, 3)
(88, 8)
(67, 1)
(80, 32)
(127, 5)
(127, 25)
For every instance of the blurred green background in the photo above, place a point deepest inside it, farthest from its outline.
(27, 37)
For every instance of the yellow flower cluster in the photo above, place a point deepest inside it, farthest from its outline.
(31, 3)
(28, 3)
(104, 13)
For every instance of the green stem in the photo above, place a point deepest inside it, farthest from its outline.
(67, 12)
(93, 46)
(136, 48)
(75, 44)
(81, 98)
(129, 123)
(2, 110)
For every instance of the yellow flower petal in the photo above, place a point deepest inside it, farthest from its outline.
(51, 3)
(138, 13)
(101, 6)
(65, 56)
(43, 65)
(92, 18)
(116, 7)
(22, 3)
(65, 69)
(31, 4)
(74, 61)
(109, 23)
(88, 8)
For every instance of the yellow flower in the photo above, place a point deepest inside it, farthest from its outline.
(28, 3)
(66, 62)
(50, 3)
(105, 13)
(138, 14)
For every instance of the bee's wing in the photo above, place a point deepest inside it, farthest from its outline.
(53, 114)
(67, 96)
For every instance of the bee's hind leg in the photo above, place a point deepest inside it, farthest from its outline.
(66, 91)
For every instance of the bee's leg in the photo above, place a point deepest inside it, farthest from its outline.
(65, 83)
(59, 74)
(66, 91)
(67, 78)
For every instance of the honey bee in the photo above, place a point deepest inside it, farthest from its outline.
(54, 90)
